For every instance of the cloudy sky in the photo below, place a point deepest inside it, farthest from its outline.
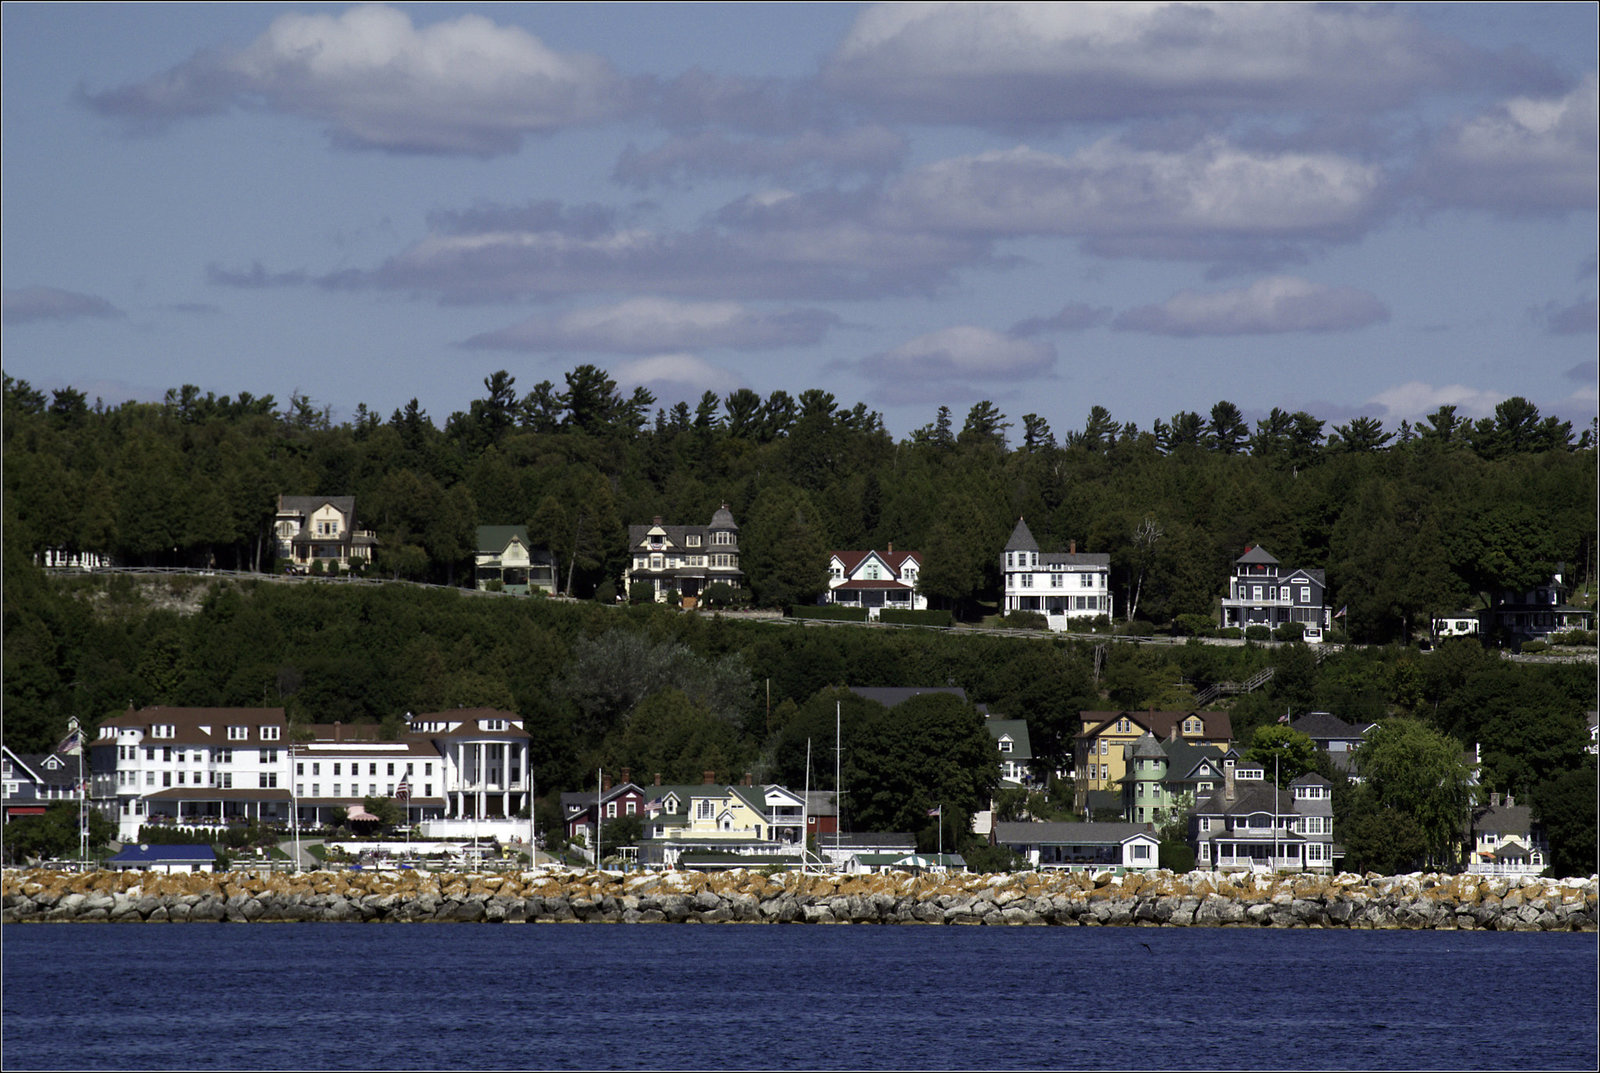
(1350, 210)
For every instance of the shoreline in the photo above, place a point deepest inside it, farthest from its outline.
(1160, 899)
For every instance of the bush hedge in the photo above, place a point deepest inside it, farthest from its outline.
(831, 612)
(923, 618)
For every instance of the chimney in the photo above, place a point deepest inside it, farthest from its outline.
(656, 520)
(625, 776)
(746, 778)
(1494, 800)
(336, 730)
(710, 778)
(891, 547)
(1227, 784)
(1072, 547)
(1511, 802)
(605, 783)
(658, 778)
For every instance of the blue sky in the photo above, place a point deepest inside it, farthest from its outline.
(1352, 210)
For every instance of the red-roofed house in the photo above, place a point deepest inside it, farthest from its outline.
(875, 580)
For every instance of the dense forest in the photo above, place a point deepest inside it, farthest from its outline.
(1406, 523)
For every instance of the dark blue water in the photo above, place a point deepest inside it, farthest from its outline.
(408, 996)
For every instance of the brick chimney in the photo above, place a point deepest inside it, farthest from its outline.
(1072, 547)
(658, 778)
(605, 783)
(337, 730)
(746, 779)
(710, 778)
(1227, 784)
(626, 776)
(891, 547)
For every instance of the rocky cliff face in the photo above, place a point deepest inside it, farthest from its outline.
(1198, 899)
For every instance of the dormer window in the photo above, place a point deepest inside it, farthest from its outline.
(269, 733)
(163, 730)
(493, 724)
(693, 540)
(238, 733)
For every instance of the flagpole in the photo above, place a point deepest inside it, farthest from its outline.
(599, 792)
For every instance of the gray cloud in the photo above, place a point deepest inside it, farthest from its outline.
(1525, 155)
(871, 150)
(654, 325)
(253, 277)
(1577, 319)
(465, 86)
(1014, 65)
(956, 362)
(1072, 317)
(23, 305)
(1271, 305)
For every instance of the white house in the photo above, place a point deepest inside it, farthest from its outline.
(1506, 841)
(204, 767)
(1081, 847)
(1059, 585)
(506, 555)
(875, 580)
(320, 529)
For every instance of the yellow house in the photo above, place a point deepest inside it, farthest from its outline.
(757, 820)
(1098, 752)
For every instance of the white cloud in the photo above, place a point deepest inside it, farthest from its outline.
(870, 150)
(20, 305)
(1415, 399)
(462, 86)
(1526, 154)
(676, 377)
(963, 352)
(1159, 201)
(1274, 304)
(651, 325)
(1013, 64)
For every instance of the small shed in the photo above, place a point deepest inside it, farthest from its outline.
(153, 857)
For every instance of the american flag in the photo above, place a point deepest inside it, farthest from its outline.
(403, 791)
(936, 811)
(73, 743)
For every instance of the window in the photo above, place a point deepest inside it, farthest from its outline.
(633, 806)
(372, 789)
(1141, 851)
(268, 779)
(269, 733)
(656, 562)
(427, 789)
(704, 809)
(1027, 581)
(372, 769)
(316, 789)
(1055, 581)
(722, 538)
(269, 756)
(163, 730)
(391, 769)
(1086, 580)
(693, 540)
(1005, 745)
(149, 778)
(227, 780)
(166, 778)
(223, 756)
(1105, 746)
(335, 769)
(238, 733)
(611, 810)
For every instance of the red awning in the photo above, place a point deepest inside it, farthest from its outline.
(357, 814)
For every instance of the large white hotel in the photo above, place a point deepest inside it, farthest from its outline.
(205, 766)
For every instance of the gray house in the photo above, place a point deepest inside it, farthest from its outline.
(1252, 825)
(1261, 592)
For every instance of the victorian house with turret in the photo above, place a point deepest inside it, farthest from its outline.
(1060, 585)
(1262, 592)
(684, 559)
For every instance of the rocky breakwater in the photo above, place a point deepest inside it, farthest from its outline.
(1161, 899)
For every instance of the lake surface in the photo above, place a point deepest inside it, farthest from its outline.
(594, 996)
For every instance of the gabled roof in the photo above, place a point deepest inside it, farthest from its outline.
(894, 696)
(305, 505)
(494, 539)
(1217, 726)
(1021, 539)
(1325, 726)
(1073, 834)
(894, 561)
(1257, 555)
(1017, 731)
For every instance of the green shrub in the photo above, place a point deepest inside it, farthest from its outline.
(1531, 647)
(1573, 637)
(1257, 633)
(717, 594)
(1139, 628)
(1176, 856)
(1290, 631)
(831, 612)
(1193, 625)
(494, 585)
(917, 618)
(641, 592)
(1025, 620)
(1232, 633)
